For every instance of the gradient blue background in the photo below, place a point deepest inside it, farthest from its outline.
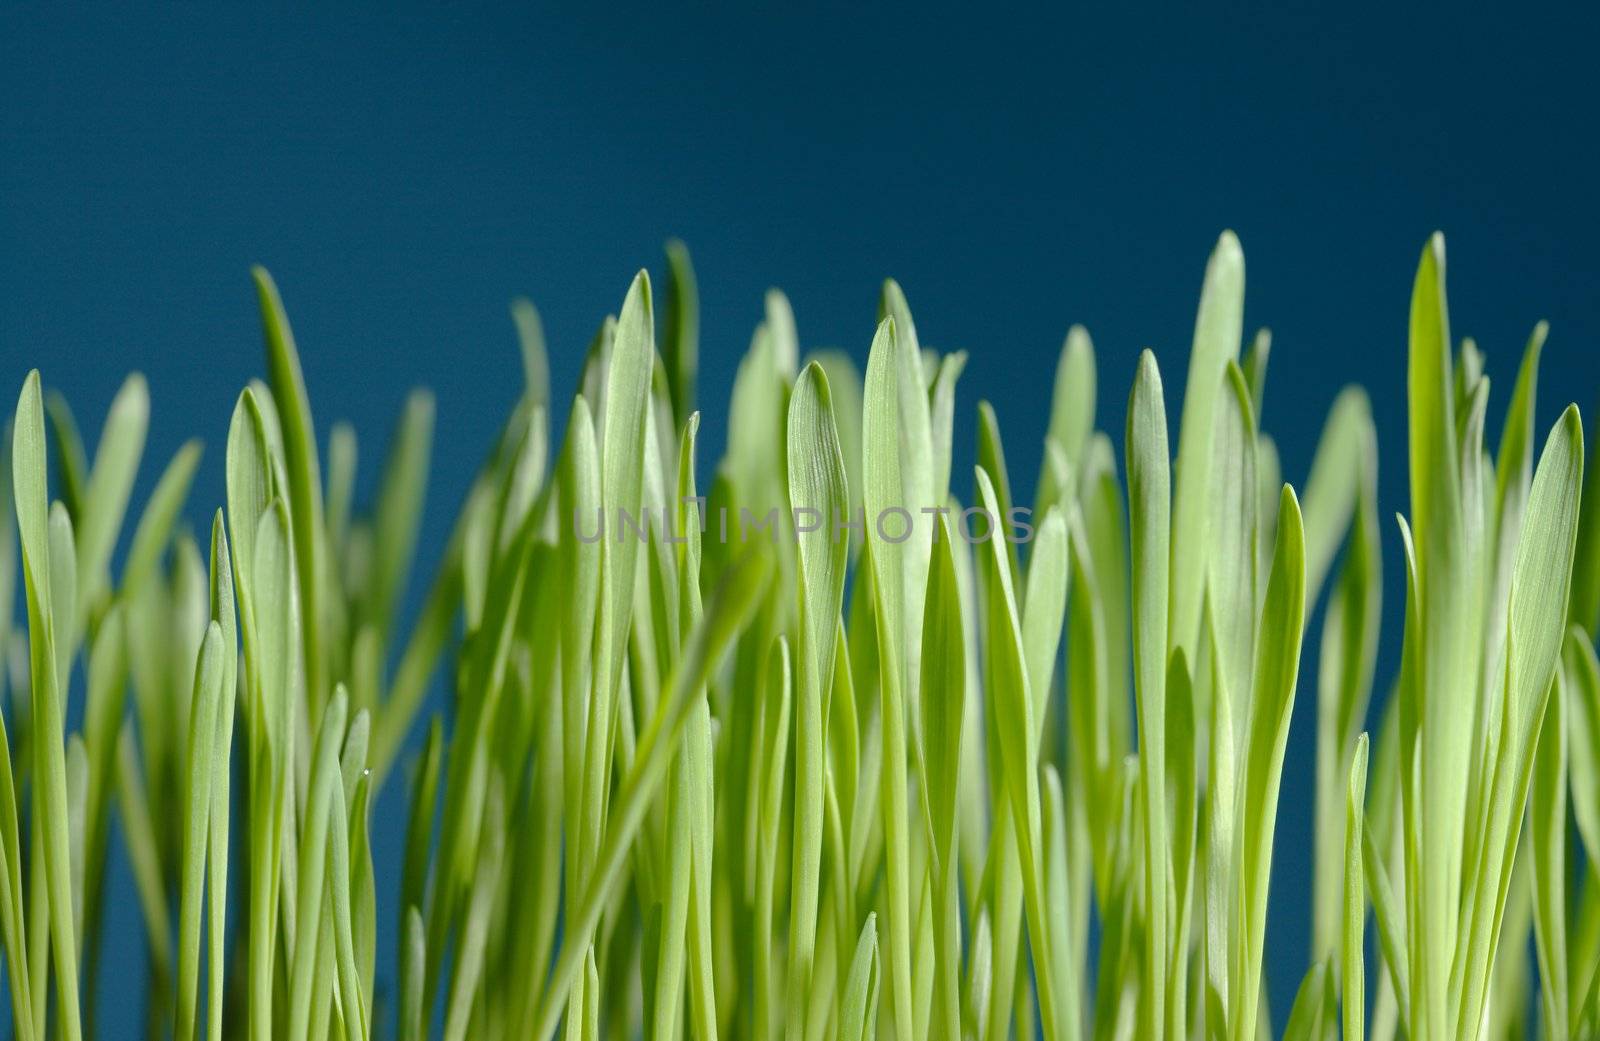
(403, 175)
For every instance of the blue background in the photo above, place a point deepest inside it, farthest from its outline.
(403, 175)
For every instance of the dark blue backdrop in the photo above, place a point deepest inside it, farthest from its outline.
(404, 175)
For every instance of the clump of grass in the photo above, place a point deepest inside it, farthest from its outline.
(877, 779)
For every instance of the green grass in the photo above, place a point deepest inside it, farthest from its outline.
(824, 782)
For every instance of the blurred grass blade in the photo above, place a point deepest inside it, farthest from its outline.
(1352, 951)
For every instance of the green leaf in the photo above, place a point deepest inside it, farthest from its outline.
(941, 420)
(1344, 687)
(914, 434)
(304, 480)
(1581, 675)
(1272, 704)
(1311, 1018)
(1148, 511)
(1344, 465)
(1255, 367)
(535, 356)
(816, 483)
(47, 561)
(1218, 328)
(1391, 921)
(271, 654)
(891, 479)
(944, 702)
(12, 926)
(324, 795)
(74, 461)
(220, 751)
(770, 766)
(1231, 561)
(77, 796)
(470, 957)
(1445, 664)
(844, 386)
(208, 694)
(1072, 402)
(116, 463)
(151, 534)
(1585, 607)
(1541, 577)
(680, 339)
(1514, 468)
(858, 1009)
(1352, 951)
(1044, 610)
(413, 959)
(1181, 781)
(342, 456)
(992, 457)
(1547, 824)
(399, 509)
(785, 337)
(622, 441)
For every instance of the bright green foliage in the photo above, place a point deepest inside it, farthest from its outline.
(846, 747)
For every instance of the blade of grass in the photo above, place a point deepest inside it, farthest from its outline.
(1540, 585)
(1272, 703)
(816, 482)
(1352, 951)
(886, 474)
(1218, 329)
(1013, 716)
(399, 510)
(1072, 401)
(1444, 664)
(47, 560)
(944, 700)
(858, 1009)
(105, 497)
(324, 794)
(1547, 824)
(773, 727)
(1312, 1016)
(680, 340)
(208, 693)
(1149, 506)
(1581, 674)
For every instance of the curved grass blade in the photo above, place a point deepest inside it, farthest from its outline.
(304, 489)
(47, 559)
